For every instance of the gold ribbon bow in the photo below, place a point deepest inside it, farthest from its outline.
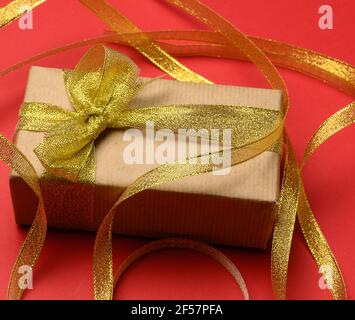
(101, 89)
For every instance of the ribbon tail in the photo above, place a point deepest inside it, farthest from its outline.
(334, 124)
(29, 252)
(312, 233)
(285, 221)
(32, 246)
(320, 249)
(102, 261)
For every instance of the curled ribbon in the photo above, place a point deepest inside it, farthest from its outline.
(227, 42)
(184, 244)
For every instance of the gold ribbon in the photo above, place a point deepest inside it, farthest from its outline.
(224, 44)
(32, 246)
(103, 280)
(179, 243)
(101, 88)
(120, 24)
(334, 72)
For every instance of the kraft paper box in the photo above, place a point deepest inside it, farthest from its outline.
(234, 209)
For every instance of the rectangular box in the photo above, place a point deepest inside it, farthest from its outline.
(235, 209)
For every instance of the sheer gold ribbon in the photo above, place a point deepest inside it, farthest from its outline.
(32, 246)
(335, 72)
(101, 88)
(103, 281)
(179, 243)
(209, 43)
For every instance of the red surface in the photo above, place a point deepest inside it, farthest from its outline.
(64, 270)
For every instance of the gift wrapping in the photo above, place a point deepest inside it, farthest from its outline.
(233, 209)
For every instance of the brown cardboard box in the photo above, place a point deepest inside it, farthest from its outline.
(234, 209)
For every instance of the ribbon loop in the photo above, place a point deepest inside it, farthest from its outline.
(100, 88)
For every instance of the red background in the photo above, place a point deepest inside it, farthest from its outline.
(65, 267)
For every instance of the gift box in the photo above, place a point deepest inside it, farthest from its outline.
(236, 209)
